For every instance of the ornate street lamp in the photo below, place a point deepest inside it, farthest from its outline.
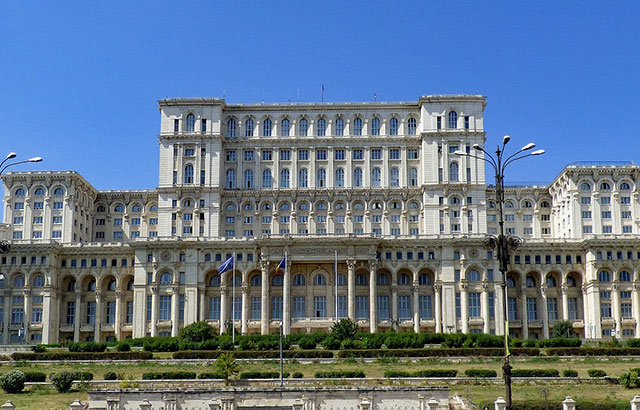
(5, 246)
(504, 244)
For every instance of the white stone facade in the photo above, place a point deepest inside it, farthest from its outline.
(374, 186)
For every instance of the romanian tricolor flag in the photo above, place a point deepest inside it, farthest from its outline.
(281, 266)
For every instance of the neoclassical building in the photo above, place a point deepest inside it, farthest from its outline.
(381, 223)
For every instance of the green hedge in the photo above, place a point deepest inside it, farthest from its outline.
(210, 375)
(77, 376)
(350, 374)
(561, 342)
(440, 352)
(480, 373)
(262, 375)
(87, 347)
(569, 373)
(593, 351)
(34, 377)
(596, 373)
(253, 354)
(535, 373)
(422, 373)
(82, 356)
(168, 375)
(590, 404)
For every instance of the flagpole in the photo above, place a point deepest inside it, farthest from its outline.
(233, 300)
(335, 282)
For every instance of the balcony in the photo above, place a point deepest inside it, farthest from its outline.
(578, 323)
(67, 328)
(535, 323)
(515, 324)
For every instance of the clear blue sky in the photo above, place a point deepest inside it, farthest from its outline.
(79, 80)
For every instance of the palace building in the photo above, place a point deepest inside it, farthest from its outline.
(381, 223)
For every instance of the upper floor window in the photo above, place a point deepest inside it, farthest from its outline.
(188, 174)
(339, 182)
(285, 127)
(319, 280)
(412, 125)
(394, 177)
(267, 180)
(375, 126)
(166, 278)
(605, 186)
(362, 280)
(393, 126)
(339, 128)
(625, 276)
(474, 276)
(321, 128)
(20, 192)
(303, 178)
(375, 177)
(321, 178)
(191, 122)
(284, 178)
(545, 204)
(453, 120)
(604, 276)
(39, 192)
(118, 208)
(357, 177)
(231, 179)
(248, 128)
(453, 172)
(298, 280)
(18, 281)
(266, 128)
(625, 186)
(413, 177)
(58, 191)
(585, 186)
(357, 126)
(231, 128)
(303, 127)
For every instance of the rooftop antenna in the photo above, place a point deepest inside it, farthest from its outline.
(375, 97)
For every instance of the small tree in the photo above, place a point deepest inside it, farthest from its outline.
(563, 328)
(196, 332)
(62, 381)
(227, 366)
(13, 381)
(344, 329)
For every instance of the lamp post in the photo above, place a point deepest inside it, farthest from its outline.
(503, 243)
(5, 246)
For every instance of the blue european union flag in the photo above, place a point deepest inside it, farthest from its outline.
(227, 265)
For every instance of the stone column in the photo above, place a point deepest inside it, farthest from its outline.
(525, 320)
(636, 307)
(7, 316)
(286, 298)
(565, 302)
(201, 302)
(416, 307)
(154, 310)
(118, 320)
(175, 310)
(98, 321)
(615, 307)
(373, 317)
(77, 316)
(484, 307)
(394, 304)
(26, 318)
(264, 300)
(545, 313)
(245, 308)
(464, 307)
(351, 289)
(49, 324)
(438, 307)
(223, 307)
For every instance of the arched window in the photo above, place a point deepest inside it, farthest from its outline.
(453, 172)
(303, 127)
(604, 276)
(491, 204)
(511, 283)
(298, 280)
(551, 281)
(375, 126)
(585, 187)
(358, 206)
(38, 281)
(376, 205)
(383, 279)
(413, 177)
(395, 205)
(20, 192)
(508, 204)
(230, 207)
(247, 207)
(394, 177)
(454, 200)
(474, 276)
(266, 127)
(321, 128)
(136, 208)
(214, 281)
(414, 205)
(248, 179)
(111, 286)
(231, 179)
(166, 278)
(266, 206)
(248, 128)
(39, 192)
(412, 125)
(303, 206)
(130, 284)
(187, 203)
(303, 178)
(154, 208)
(231, 128)
(237, 280)
(527, 204)
(362, 280)
(256, 280)
(285, 127)
(58, 191)
(605, 186)
(357, 177)
(339, 127)
(321, 178)
(321, 206)
(276, 280)
(319, 280)
(404, 279)
(191, 122)
(341, 280)
(424, 279)
(375, 177)
(188, 174)
(339, 182)
(267, 180)
(71, 286)
(91, 287)
(625, 276)
(543, 204)
(453, 120)
(357, 126)
(393, 126)
(530, 282)
(339, 206)
(625, 186)
(571, 281)
(285, 206)
(284, 178)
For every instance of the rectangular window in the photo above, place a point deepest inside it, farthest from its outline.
(532, 309)
(111, 312)
(458, 306)
(362, 307)
(71, 313)
(605, 200)
(148, 307)
(203, 125)
(165, 308)
(236, 308)
(586, 214)
(512, 307)
(625, 310)
(214, 308)
(248, 155)
(321, 154)
(605, 310)
(474, 305)
(404, 307)
(267, 155)
(357, 154)
(383, 307)
(492, 305)
(36, 315)
(552, 309)
(585, 200)
(303, 155)
(57, 205)
(338, 154)
(91, 313)
(627, 229)
(412, 153)
(129, 313)
(230, 155)
(320, 306)
(625, 200)
(573, 308)
(425, 307)
(606, 214)
(256, 308)
(394, 153)
(376, 153)
(285, 155)
(299, 308)
(606, 229)
(276, 307)
(342, 306)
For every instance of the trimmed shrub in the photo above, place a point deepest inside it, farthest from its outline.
(396, 373)
(593, 351)
(88, 347)
(349, 374)
(569, 373)
(82, 356)
(561, 342)
(211, 375)
(168, 375)
(344, 329)
(596, 373)
(82, 376)
(480, 373)
(62, 381)
(297, 375)
(441, 352)
(123, 347)
(331, 343)
(12, 382)
(196, 332)
(34, 377)
(38, 349)
(110, 376)
(254, 354)
(485, 340)
(535, 373)
(161, 344)
(435, 373)
(632, 343)
(262, 375)
(307, 343)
